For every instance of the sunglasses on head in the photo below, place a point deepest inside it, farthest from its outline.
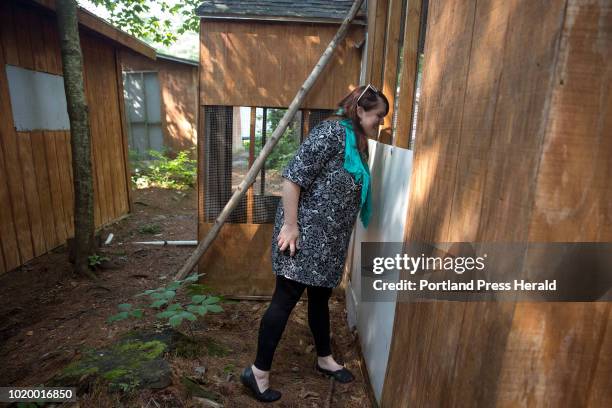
(369, 86)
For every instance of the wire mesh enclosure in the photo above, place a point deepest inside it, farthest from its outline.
(233, 138)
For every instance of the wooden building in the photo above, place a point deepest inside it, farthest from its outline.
(161, 102)
(36, 191)
(513, 143)
(257, 54)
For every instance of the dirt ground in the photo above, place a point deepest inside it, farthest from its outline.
(48, 318)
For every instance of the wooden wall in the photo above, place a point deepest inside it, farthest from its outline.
(514, 143)
(179, 97)
(265, 63)
(393, 53)
(36, 196)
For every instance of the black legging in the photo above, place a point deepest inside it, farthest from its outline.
(286, 295)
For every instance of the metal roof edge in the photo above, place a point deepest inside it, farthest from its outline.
(285, 19)
(172, 58)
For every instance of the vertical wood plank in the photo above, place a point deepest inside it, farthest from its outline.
(8, 235)
(377, 16)
(62, 147)
(39, 53)
(52, 46)
(601, 383)
(55, 184)
(405, 103)
(32, 200)
(104, 138)
(108, 134)
(305, 124)
(201, 146)
(39, 158)
(22, 34)
(250, 192)
(201, 169)
(127, 202)
(117, 166)
(391, 62)
(95, 125)
(3, 267)
(7, 33)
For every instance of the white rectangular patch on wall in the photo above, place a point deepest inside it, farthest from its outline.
(38, 100)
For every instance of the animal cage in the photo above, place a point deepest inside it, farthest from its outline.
(233, 138)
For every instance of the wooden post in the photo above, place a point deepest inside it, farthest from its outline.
(305, 124)
(377, 23)
(262, 175)
(389, 86)
(406, 97)
(250, 193)
(267, 149)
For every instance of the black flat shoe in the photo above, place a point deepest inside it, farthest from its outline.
(343, 375)
(248, 380)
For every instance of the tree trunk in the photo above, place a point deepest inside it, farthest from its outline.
(72, 61)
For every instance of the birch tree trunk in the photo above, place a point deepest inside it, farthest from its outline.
(72, 62)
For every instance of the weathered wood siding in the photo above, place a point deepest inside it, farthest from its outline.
(264, 63)
(513, 144)
(36, 192)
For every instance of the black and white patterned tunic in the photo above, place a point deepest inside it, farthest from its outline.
(327, 209)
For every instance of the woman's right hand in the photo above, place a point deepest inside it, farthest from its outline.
(288, 237)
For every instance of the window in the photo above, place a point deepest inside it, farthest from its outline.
(143, 108)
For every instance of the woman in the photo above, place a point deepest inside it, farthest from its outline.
(326, 185)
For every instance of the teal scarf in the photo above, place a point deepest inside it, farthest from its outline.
(359, 170)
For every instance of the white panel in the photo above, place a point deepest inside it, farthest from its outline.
(153, 95)
(391, 169)
(38, 100)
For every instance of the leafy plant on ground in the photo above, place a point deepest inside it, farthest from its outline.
(169, 309)
(179, 173)
(96, 260)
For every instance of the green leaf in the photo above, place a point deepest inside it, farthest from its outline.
(174, 285)
(166, 314)
(158, 303)
(136, 313)
(214, 308)
(118, 316)
(175, 307)
(198, 299)
(124, 307)
(189, 316)
(201, 310)
(157, 295)
(211, 300)
(166, 295)
(193, 278)
(175, 320)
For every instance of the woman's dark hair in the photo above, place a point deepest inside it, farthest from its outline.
(348, 109)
